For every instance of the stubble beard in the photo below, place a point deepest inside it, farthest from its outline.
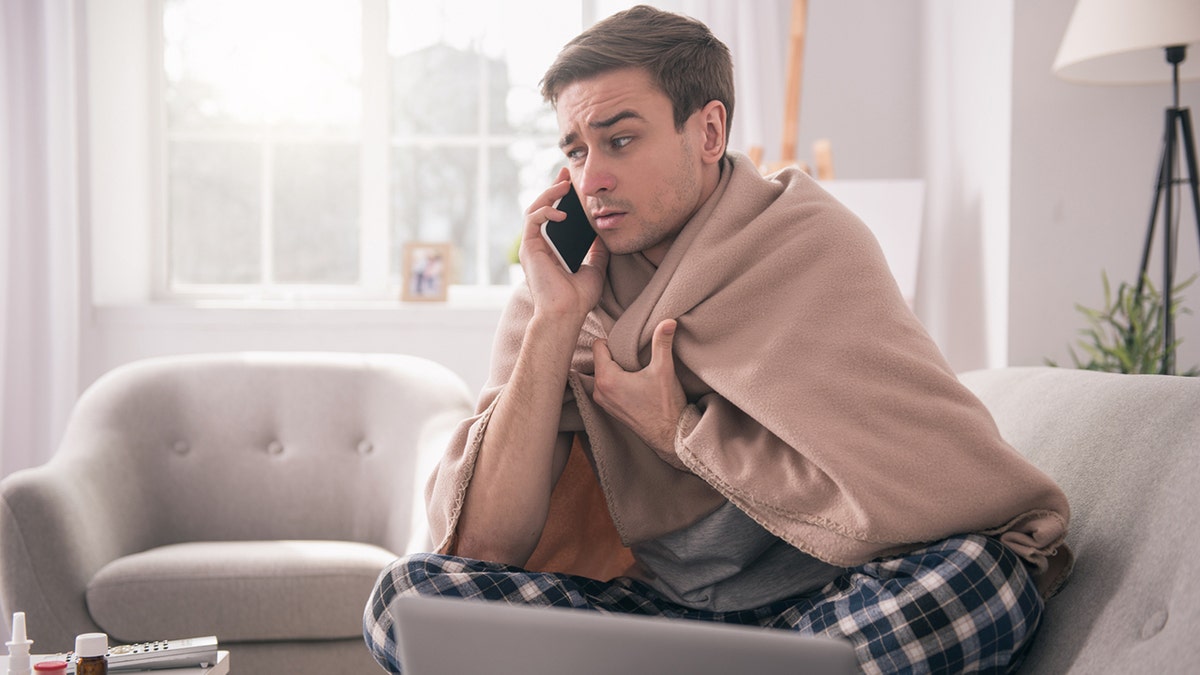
(667, 208)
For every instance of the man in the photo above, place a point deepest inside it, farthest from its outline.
(729, 413)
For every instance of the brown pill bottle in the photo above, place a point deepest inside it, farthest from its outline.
(91, 654)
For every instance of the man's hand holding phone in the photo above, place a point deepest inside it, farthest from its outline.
(547, 267)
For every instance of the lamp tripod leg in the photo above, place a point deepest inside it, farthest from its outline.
(1189, 152)
(1163, 179)
(1184, 116)
(1178, 128)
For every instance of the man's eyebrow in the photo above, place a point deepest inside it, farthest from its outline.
(600, 124)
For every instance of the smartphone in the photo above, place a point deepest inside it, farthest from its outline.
(570, 239)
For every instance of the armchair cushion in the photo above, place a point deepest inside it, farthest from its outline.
(254, 591)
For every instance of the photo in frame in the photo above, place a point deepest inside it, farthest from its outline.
(428, 271)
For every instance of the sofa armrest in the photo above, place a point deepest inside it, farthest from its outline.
(408, 525)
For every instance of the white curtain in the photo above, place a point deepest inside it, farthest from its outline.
(40, 228)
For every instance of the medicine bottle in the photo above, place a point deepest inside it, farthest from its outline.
(91, 654)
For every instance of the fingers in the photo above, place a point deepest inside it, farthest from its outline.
(662, 347)
(597, 257)
(551, 195)
(601, 358)
(541, 210)
(663, 343)
(648, 401)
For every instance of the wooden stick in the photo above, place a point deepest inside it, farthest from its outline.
(755, 153)
(795, 74)
(772, 167)
(823, 158)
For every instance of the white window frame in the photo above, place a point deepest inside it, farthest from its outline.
(377, 280)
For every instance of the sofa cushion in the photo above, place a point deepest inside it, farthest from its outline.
(1126, 450)
(238, 590)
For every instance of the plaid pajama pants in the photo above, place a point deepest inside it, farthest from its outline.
(965, 604)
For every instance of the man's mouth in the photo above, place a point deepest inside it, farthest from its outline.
(605, 219)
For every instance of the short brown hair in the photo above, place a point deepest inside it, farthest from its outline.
(689, 64)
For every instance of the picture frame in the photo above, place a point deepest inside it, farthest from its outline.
(428, 271)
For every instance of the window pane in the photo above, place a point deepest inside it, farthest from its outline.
(232, 63)
(465, 84)
(316, 208)
(434, 198)
(520, 171)
(443, 52)
(505, 215)
(266, 146)
(214, 212)
(526, 35)
(422, 84)
(280, 82)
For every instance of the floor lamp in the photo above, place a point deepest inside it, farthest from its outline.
(1142, 42)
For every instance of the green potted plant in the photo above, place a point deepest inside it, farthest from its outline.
(1126, 335)
(516, 274)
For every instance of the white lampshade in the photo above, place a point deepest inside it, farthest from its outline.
(1122, 41)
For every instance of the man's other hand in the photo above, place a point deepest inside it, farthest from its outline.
(649, 401)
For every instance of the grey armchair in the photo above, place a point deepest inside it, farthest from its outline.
(254, 497)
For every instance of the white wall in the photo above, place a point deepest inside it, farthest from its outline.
(962, 295)
(1084, 162)
(459, 337)
(863, 86)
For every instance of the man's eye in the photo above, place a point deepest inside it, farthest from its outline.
(622, 141)
(575, 155)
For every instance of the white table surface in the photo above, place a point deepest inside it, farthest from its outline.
(221, 667)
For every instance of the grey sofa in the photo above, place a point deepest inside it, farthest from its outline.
(254, 497)
(1126, 449)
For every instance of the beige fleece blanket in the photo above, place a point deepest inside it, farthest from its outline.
(819, 404)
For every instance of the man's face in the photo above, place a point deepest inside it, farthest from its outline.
(639, 178)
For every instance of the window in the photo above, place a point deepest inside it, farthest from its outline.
(305, 143)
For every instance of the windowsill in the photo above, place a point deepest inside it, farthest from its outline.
(459, 298)
(457, 333)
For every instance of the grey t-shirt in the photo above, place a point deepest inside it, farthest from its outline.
(726, 562)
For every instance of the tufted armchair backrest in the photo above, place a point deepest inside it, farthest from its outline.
(262, 446)
(266, 446)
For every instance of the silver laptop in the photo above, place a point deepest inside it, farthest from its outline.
(441, 636)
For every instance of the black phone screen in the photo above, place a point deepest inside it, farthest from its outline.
(572, 237)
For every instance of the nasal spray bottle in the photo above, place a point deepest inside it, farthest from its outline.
(18, 648)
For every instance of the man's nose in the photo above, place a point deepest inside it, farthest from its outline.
(594, 177)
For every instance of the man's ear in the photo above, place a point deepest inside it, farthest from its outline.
(712, 120)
